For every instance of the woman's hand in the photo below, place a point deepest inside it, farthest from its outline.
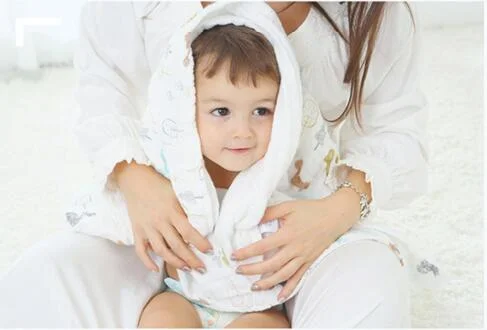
(158, 221)
(307, 228)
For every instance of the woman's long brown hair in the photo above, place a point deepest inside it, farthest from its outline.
(364, 21)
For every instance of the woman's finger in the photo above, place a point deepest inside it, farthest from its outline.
(292, 282)
(271, 265)
(277, 211)
(262, 246)
(141, 247)
(160, 247)
(280, 276)
(182, 250)
(191, 235)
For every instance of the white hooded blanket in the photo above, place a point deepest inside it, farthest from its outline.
(300, 162)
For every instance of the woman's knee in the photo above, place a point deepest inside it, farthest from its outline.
(363, 284)
(69, 250)
(62, 247)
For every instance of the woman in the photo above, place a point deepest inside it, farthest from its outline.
(90, 282)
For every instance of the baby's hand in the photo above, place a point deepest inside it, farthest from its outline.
(158, 221)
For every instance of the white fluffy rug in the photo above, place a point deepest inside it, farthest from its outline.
(41, 165)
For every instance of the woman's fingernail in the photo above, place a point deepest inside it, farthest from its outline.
(201, 270)
(186, 269)
(281, 299)
(255, 287)
(232, 257)
(238, 270)
(210, 252)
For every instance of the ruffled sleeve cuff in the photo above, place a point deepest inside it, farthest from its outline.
(125, 148)
(393, 185)
(107, 141)
(376, 173)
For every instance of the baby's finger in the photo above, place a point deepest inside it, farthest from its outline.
(191, 235)
(160, 247)
(182, 250)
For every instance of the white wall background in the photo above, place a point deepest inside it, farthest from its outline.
(54, 45)
(437, 14)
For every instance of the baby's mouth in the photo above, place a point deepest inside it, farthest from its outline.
(238, 150)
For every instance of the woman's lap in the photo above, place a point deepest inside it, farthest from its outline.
(361, 284)
(74, 280)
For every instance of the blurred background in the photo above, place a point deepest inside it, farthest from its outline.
(42, 167)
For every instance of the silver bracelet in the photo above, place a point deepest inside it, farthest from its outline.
(364, 201)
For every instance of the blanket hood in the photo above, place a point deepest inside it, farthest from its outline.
(169, 134)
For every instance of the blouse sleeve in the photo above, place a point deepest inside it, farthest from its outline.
(111, 92)
(392, 147)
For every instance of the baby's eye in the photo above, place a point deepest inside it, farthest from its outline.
(262, 112)
(220, 112)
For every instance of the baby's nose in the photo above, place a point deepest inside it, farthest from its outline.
(242, 129)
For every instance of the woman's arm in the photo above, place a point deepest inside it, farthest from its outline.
(392, 148)
(113, 78)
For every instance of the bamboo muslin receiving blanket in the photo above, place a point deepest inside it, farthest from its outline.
(300, 162)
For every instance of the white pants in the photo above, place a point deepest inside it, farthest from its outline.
(74, 280)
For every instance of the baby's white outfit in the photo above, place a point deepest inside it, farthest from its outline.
(212, 318)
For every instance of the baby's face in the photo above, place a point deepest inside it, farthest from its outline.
(234, 122)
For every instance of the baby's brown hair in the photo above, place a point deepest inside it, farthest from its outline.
(248, 53)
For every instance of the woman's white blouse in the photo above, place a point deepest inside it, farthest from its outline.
(121, 43)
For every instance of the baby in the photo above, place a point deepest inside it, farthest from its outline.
(237, 82)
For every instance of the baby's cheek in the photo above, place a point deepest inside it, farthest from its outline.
(205, 131)
(210, 142)
(267, 134)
